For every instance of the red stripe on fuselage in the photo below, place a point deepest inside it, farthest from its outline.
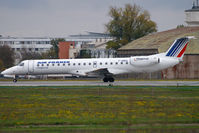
(182, 51)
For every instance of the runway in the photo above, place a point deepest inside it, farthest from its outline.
(100, 83)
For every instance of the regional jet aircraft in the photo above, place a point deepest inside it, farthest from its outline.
(103, 67)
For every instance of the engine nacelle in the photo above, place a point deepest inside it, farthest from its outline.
(142, 61)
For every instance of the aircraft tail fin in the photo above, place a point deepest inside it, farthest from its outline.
(178, 48)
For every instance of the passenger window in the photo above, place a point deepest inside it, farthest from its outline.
(79, 64)
(121, 62)
(68, 64)
(37, 64)
(116, 63)
(126, 62)
(111, 63)
(57, 64)
(42, 65)
(47, 64)
(63, 64)
(53, 64)
(89, 63)
(73, 64)
(84, 64)
(100, 63)
(106, 63)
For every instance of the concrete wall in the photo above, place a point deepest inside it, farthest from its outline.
(188, 69)
(192, 18)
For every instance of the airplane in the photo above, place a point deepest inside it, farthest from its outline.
(103, 67)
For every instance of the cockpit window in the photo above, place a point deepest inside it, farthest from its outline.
(21, 64)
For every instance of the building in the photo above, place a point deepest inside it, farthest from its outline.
(30, 44)
(160, 42)
(192, 15)
(91, 38)
(67, 50)
(93, 42)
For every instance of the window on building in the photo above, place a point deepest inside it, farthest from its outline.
(36, 49)
(18, 49)
(37, 64)
(127, 63)
(121, 62)
(100, 63)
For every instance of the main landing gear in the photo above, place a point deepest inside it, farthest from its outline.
(108, 79)
(15, 79)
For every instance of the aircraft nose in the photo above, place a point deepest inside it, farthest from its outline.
(7, 72)
(4, 72)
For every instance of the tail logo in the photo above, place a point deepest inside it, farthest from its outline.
(178, 48)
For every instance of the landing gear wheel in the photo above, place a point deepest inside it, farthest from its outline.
(105, 79)
(111, 79)
(108, 79)
(14, 80)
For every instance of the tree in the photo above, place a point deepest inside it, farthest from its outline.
(180, 26)
(112, 45)
(84, 53)
(55, 49)
(28, 55)
(6, 56)
(1, 65)
(129, 23)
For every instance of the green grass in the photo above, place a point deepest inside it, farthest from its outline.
(99, 109)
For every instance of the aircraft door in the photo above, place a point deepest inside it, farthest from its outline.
(30, 66)
(94, 64)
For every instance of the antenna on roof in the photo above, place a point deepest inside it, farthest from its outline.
(193, 4)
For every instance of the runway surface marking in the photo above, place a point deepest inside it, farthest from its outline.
(99, 83)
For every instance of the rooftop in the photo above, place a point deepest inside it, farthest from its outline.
(163, 40)
(91, 35)
(195, 7)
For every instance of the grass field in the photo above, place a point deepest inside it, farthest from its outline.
(99, 109)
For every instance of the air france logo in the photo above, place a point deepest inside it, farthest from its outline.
(53, 62)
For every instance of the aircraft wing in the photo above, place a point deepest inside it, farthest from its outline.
(100, 72)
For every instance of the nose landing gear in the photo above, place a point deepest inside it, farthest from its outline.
(14, 80)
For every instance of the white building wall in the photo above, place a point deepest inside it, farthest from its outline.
(192, 18)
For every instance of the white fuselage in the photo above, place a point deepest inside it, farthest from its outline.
(85, 66)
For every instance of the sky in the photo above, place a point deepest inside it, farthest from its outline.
(60, 18)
